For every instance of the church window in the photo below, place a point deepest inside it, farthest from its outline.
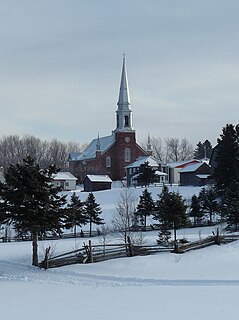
(127, 154)
(126, 121)
(108, 162)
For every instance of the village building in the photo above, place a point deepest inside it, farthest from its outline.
(132, 170)
(96, 183)
(196, 174)
(65, 180)
(174, 168)
(110, 155)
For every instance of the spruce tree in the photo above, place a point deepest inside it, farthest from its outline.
(92, 211)
(208, 202)
(146, 175)
(145, 207)
(226, 173)
(75, 214)
(195, 210)
(31, 202)
(171, 211)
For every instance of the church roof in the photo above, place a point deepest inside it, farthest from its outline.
(124, 99)
(90, 151)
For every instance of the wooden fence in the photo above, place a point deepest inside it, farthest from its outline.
(95, 253)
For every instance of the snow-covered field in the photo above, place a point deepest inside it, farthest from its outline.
(202, 284)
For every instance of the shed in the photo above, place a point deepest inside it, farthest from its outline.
(97, 182)
(195, 174)
(65, 180)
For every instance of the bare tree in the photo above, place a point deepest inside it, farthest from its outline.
(178, 150)
(14, 148)
(124, 217)
(169, 149)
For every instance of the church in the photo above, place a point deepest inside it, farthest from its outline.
(111, 154)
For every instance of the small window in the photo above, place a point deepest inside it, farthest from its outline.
(127, 155)
(67, 184)
(108, 162)
(126, 121)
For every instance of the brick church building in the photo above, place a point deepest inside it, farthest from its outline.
(111, 154)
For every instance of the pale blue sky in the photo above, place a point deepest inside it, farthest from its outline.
(60, 67)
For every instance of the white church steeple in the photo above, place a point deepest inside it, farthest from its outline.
(124, 112)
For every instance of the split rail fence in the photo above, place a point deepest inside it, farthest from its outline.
(95, 253)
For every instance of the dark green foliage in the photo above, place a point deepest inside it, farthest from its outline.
(226, 173)
(92, 211)
(145, 207)
(171, 211)
(208, 202)
(203, 150)
(30, 202)
(146, 175)
(75, 214)
(195, 210)
(164, 234)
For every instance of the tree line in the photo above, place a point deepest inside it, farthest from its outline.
(14, 148)
(174, 149)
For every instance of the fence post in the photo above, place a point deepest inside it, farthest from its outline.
(46, 260)
(131, 249)
(217, 237)
(90, 252)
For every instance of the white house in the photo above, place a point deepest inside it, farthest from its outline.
(65, 180)
(132, 169)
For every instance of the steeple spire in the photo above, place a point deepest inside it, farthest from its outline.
(124, 113)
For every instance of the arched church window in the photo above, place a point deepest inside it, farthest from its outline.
(117, 119)
(127, 155)
(108, 162)
(126, 121)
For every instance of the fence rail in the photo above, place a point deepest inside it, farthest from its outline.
(95, 253)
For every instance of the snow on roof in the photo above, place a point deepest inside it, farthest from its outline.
(191, 167)
(160, 173)
(141, 160)
(90, 151)
(181, 164)
(203, 176)
(98, 178)
(64, 176)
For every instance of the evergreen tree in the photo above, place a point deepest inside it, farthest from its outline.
(146, 175)
(93, 210)
(31, 202)
(226, 174)
(75, 214)
(171, 211)
(195, 210)
(208, 202)
(145, 207)
(203, 150)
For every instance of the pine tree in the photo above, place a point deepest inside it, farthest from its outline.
(31, 202)
(226, 174)
(93, 210)
(146, 175)
(75, 214)
(195, 210)
(208, 202)
(171, 211)
(145, 207)
(203, 150)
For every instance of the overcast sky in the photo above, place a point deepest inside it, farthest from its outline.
(61, 60)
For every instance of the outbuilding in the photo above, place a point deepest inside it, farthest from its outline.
(195, 174)
(96, 182)
(65, 180)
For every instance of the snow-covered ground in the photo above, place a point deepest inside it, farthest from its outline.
(202, 284)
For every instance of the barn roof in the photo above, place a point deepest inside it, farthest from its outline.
(64, 176)
(98, 178)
